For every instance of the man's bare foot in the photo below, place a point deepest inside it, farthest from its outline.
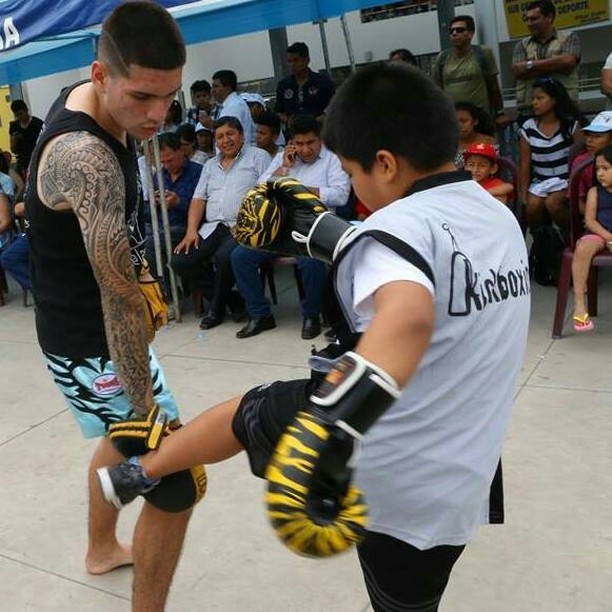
(120, 557)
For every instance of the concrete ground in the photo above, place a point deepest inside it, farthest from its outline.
(553, 555)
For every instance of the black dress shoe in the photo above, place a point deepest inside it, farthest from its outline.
(210, 320)
(256, 326)
(311, 328)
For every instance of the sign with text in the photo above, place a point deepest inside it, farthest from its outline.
(570, 14)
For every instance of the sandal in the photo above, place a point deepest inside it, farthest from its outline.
(583, 323)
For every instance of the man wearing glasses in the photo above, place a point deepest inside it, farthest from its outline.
(468, 73)
(545, 52)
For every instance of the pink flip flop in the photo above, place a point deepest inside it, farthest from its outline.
(583, 323)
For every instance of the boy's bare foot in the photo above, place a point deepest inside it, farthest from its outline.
(119, 557)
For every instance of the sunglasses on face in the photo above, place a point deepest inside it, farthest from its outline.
(457, 30)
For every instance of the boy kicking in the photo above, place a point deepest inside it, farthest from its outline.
(434, 294)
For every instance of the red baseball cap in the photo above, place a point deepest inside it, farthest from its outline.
(481, 148)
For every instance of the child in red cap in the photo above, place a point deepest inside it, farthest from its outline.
(481, 160)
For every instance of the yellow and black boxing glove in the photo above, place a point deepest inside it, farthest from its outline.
(156, 309)
(312, 505)
(134, 437)
(284, 217)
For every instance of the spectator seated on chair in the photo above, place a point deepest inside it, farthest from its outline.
(475, 125)
(306, 159)
(545, 141)
(481, 161)
(212, 212)
(15, 258)
(180, 177)
(189, 144)
(598, 221)
(598, 136)
(6, 221)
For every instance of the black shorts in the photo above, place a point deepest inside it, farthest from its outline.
(402, 578)
(263, 415)
(398, 576)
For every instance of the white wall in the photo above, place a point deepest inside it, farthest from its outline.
(40, 93)
(250, 57)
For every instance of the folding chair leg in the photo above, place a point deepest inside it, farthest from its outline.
(266, 273)
(563, 287)
(592, 291)
(298, 281)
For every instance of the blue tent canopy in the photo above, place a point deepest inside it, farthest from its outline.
(199, 21)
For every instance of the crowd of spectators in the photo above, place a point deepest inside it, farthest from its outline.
(213, 152)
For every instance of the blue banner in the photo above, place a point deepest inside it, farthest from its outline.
(22, 21)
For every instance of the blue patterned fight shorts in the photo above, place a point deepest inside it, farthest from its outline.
(95, 395)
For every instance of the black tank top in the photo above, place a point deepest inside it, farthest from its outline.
(69, 319)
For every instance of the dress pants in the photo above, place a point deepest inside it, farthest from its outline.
(246, 264)
(15, 260)
(192, 266)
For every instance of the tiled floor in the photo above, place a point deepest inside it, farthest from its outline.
(553, 555)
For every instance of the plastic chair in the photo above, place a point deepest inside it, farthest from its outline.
(508, 171)
(604, 258)
(266, 273)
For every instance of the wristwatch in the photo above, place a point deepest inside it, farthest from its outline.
(529, 65)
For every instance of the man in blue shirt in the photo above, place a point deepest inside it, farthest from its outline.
(180, 177)
(304, 92)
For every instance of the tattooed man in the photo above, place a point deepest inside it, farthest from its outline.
(82, 205)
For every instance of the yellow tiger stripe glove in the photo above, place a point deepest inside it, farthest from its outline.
(320, 520)
(311, 504)
(283, 216)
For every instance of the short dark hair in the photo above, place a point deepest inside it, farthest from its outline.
(271, 120)
(467, 19)
(228, 78)
(304, 124)
(18, 105)
(125, 39)
(299, 48)
(405, 56)
(397, 108)
(186, 132)
(201, 85)
(228, 120)
(169, 140)
(547, 8)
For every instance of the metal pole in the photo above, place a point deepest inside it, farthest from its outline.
(152, 206)
(278, 46)
(446, 11)
(325, 47)
(167, 237)
(349, 42)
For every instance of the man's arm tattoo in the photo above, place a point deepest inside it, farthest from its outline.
(81, 170)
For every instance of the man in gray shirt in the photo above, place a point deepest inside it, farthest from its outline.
(224, 180)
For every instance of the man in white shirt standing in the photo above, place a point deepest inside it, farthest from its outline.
(306, 159)
(229, 103)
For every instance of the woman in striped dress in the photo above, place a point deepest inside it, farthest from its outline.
(544, 148)
(545, 141)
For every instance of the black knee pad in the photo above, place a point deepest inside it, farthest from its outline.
(175, 492)
(179, 491)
